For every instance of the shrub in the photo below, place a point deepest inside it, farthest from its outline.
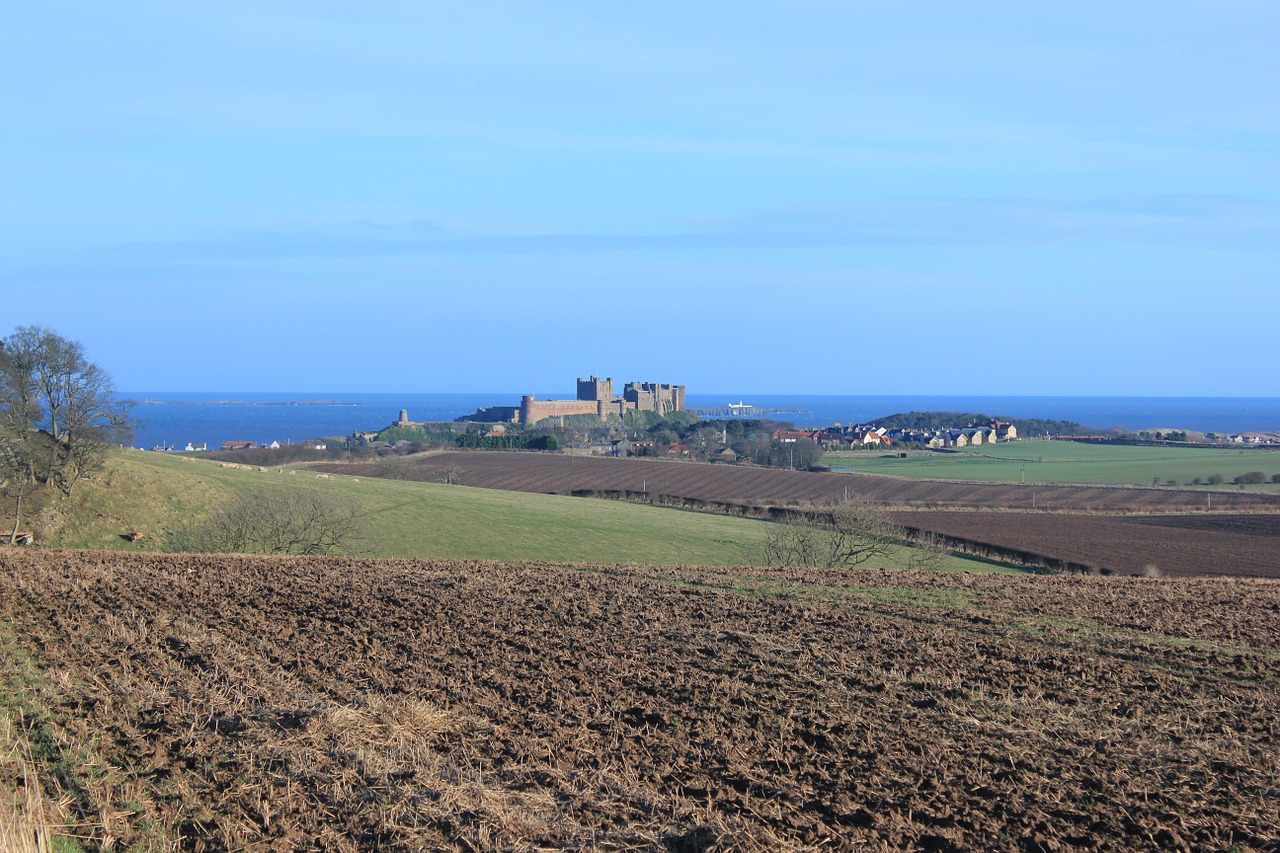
(841, 536)
(1250, 478)
(294, 521)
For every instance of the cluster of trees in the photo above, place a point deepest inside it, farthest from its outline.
(1249, 478)
(509, 441)
(59, 413)
(1252, 478)
(1171, 435)
(751, 440)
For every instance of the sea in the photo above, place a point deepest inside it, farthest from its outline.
(174, 419)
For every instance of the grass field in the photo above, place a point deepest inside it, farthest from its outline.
(158, 494)
(1042, 461)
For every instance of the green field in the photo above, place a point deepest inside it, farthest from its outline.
(159, 494)
(1041, 461)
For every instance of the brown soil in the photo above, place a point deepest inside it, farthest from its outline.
(1179, 545)
(564, 475)
(251, 703)
(1068, 524)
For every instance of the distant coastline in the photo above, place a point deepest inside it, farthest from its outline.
(151, 402)
(176, 418)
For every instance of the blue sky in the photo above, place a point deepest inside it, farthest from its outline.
(804, 197)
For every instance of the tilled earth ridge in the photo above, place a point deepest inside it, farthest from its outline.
(1086, 525)
(1185, 545)
(557, 474)
(398, 705)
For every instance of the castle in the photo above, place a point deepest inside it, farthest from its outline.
(595, 397)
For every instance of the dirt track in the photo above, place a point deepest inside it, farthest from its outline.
(341, 705)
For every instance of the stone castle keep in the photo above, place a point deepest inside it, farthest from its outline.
(595, 397)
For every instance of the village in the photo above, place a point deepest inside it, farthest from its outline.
(858, 437)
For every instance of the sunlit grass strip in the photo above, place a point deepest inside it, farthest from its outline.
(25, 811)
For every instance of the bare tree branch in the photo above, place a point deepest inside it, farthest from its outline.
(842, 536)
(289, 521)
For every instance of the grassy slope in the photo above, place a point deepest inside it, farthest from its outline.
(159, 493)
(1065, 462)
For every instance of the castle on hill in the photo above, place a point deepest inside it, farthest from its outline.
(595, 397)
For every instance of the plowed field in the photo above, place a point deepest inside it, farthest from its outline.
(564, 475)
(248, 703)
(1227, 545)
(1211, 544)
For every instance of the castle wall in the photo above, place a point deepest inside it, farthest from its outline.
(533, 410)
(595, 397)
(654, 397)
(495, 415)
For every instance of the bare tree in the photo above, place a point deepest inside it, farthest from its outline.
(69, 405)
(928, 552)
(17, 475)
(841, 536)
(397, 468)
(288, 521)
(21, 450)
(454, 475)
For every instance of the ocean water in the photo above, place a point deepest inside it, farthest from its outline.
(174, 419)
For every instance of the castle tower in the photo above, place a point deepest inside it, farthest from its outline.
(595, 388)
(404, 416)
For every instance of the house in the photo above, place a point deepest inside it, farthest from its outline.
(788, 436)
(275, 445)
(677, 451)
(191, 445)
(725, 455)
(239, 445)
(875, 438)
